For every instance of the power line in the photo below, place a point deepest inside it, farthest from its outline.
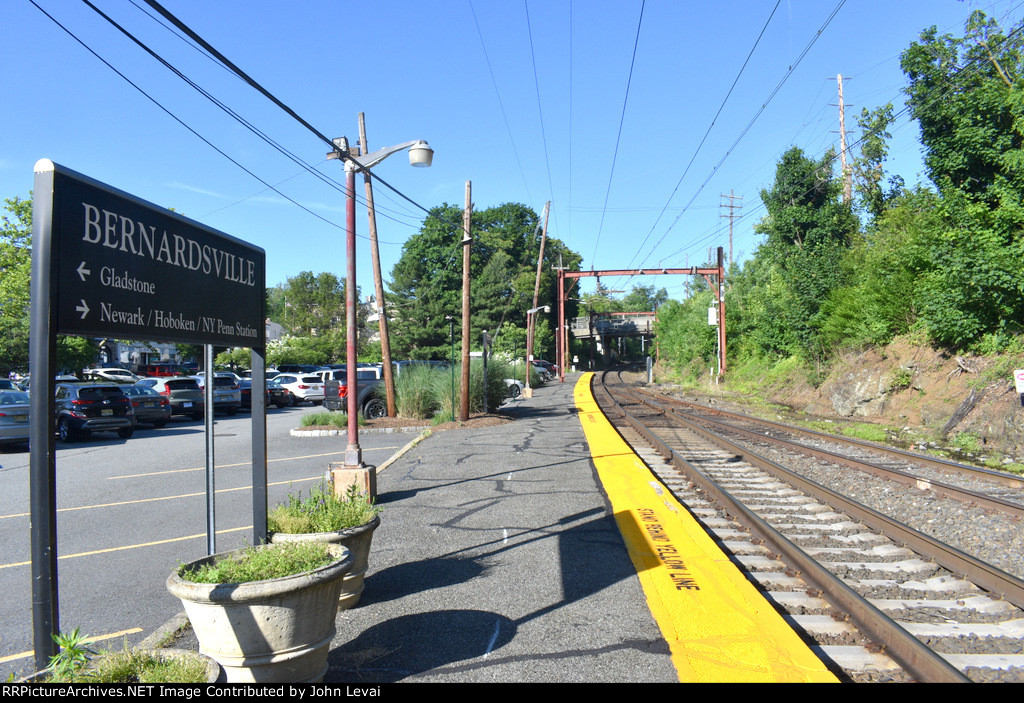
(254, 84)
(750, 124)
(232, 113)
(622, 119)
(708, 132)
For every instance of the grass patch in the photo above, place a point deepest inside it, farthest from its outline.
(866, 431)
(966, 441)
(322, 511)
(259, 564)
(76, 663)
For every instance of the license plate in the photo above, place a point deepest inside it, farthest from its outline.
(186, 405)
(106, 412)
(20, 418)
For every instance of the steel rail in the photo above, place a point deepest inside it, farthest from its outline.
(981, 573)
(918, 659)
(1006, 479)
(938, 487)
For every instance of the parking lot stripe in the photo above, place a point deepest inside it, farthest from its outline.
(130, 546)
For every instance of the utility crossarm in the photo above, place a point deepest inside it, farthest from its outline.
(692, 271)
(715, 276)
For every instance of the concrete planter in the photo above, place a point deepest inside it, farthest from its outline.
(274, 631)
(357, 540)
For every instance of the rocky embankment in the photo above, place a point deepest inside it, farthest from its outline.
(919, 393)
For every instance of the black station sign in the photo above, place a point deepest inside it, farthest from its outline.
(125, 268)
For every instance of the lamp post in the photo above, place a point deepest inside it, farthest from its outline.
(420, 154)
(529, 344)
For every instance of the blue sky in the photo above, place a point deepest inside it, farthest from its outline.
(607, 109)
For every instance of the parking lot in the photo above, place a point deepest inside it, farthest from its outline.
(130, 510)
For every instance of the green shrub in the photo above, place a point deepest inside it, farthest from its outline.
(328, 418)
(415, 392)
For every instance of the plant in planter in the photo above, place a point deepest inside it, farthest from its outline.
(266, 613)
(76, 663)
(323, 516)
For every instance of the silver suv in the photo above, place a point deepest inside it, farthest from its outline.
(184, 394)
(227, 394)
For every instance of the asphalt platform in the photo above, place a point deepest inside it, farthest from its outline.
(498, 561)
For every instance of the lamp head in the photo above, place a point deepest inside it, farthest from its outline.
(420, 154)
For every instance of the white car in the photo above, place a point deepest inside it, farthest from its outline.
(112, 374)
(513, 388)
(301, 388)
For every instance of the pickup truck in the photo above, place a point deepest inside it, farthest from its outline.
(370, 382)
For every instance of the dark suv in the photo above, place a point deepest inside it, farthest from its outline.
(93, 407)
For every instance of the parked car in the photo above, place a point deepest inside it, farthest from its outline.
(300, 387)
(7, 384)
(14, 411)
(149, 406)
(183, 393)
(26, 381)
(296, 368)
(369, 402)
(227, 396)
(158, 370)
(112, 374)
(513, 388)
(277, 395)
(543, 369)
(267, 373)
(83, 408)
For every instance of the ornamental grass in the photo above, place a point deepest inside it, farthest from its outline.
(322, 511)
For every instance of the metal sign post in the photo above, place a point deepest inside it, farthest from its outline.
(107, 264)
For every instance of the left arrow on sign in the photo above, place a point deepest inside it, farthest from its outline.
(83, 308)
(83, 271)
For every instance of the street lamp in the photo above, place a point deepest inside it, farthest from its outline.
(529, 344)
(420, 155)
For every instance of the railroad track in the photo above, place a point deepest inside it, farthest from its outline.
(878, 599)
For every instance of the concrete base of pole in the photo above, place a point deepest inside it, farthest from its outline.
(364, 478)
(527, 392)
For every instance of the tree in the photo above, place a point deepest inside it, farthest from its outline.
(808, 231)
(15, 270)
(314, 304)
(427, 279)
(966, 93)
(868, 171)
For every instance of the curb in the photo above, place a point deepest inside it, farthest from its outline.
(298, 432)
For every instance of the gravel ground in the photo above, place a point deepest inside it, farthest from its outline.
(988, 535)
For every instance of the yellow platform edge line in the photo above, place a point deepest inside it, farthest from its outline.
(719, 628)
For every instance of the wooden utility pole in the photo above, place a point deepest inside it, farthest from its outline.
(847, 171)
(467, 239)
(732, 215)
(378, 283)
(540, 257)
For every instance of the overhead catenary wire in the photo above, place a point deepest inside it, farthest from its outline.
(759, 207)
(235, 115)
(622, 119)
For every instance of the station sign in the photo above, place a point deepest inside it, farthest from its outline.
(1018, 379)
(125, 268)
